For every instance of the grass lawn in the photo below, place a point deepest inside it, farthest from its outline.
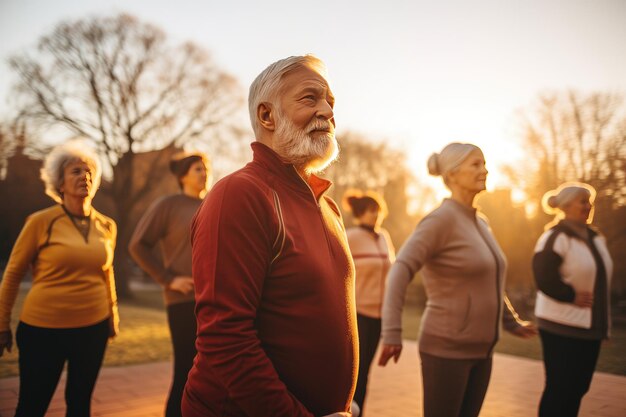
(144, 337)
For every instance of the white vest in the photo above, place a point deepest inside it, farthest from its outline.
(578, 270)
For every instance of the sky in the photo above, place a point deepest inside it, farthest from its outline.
(417, 74)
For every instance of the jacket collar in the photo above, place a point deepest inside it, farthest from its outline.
(287, 173)
(568, 228)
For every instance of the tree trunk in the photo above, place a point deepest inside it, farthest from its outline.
(123, 198)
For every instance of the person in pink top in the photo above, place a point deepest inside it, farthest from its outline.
(373, 253)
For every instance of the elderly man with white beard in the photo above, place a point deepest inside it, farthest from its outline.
(272, 270)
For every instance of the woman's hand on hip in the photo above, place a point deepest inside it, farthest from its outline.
(6, 341)
(182, 284)
(388, 352)
(583, 299)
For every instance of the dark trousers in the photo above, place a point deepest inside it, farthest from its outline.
(42, 355)
(454, 387)
(569, 364)
(182, 321)
(369, 335)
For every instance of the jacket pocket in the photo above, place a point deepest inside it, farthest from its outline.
(465, 319)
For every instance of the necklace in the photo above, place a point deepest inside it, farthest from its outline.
(81, 223)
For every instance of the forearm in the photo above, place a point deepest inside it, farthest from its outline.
(17, 267)
(8, 294)
(510, 318)
(548, 278)
(143, 255)
(398, 280)
(112, 299)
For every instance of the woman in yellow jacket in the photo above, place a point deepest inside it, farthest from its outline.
(71, 310)
(373, 253)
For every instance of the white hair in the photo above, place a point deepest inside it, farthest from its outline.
(266, 85)
(554, 201)
(449, 159)
(52, 172)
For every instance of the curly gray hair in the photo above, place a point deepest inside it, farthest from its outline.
(52, 172)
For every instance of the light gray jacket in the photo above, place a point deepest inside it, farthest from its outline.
(463, 271)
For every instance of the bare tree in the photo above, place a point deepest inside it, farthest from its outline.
(6, 144)
(15, 138)
(576, 137)
(118, 82)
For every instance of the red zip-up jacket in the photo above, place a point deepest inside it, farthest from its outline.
(274, 285)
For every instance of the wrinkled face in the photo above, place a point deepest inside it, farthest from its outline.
(371, 217)
(471, 175)
(197, 177)
(579, 209)
(305, 124)
(77, 180)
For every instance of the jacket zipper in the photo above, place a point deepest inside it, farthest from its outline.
(495, 257)
(597, 257)
(319, 210)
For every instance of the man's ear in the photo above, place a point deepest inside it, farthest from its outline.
(265, 116)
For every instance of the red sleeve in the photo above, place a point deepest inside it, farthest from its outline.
(232, 238)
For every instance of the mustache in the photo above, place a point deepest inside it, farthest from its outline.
(320, 124)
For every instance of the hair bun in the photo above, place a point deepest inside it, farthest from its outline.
(553, 201)
(433, 164)
(174, 166)
(350, 198)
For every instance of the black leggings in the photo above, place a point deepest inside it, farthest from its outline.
(182, 322)
(369, 335)
(569, 365)
(42, 355)
(454, 387)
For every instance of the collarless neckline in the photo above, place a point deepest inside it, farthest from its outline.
(469, 210)
(580, 230)
(75, 216)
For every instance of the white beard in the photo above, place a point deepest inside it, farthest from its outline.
(300, 148)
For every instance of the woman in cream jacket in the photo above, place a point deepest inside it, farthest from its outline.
(572, 269)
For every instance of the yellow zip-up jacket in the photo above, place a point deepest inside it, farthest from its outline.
(73, 284)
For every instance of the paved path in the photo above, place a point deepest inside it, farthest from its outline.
(395, 391)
